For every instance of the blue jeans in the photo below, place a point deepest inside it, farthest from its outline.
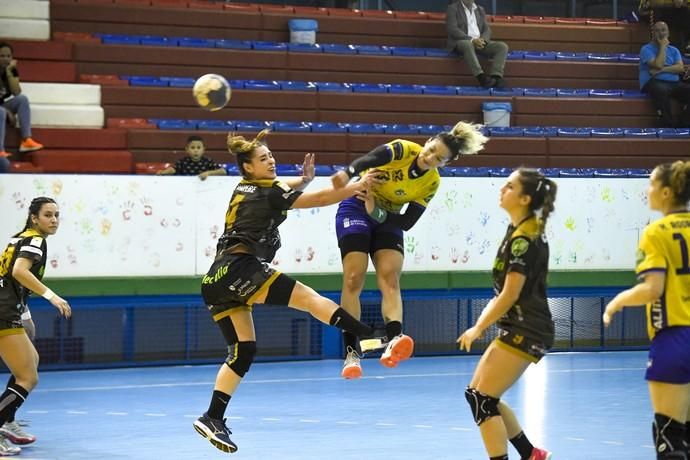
(18, 105)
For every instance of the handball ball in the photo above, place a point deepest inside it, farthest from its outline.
(211, 92)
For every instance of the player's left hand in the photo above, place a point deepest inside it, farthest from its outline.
(203, 175)
(469, 336)
(308, 170)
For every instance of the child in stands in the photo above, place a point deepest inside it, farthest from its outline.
(195, 164)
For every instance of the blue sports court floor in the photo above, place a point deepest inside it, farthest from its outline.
(579, 405)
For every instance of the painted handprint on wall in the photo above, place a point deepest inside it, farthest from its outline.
(127, 207)
(411, 244)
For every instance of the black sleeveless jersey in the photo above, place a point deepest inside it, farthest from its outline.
(525, 250)
(28, 244)
(256, 210)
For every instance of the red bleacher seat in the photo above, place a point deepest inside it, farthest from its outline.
(343, 12)
(202, 5)
(411, 15)
(500, 18)
(110, 80)
(540, 20)
(311, 10)
(139, 123)
(75, 36)
(381, 14)
(571, 21)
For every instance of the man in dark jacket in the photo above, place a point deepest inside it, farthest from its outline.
(469, 34)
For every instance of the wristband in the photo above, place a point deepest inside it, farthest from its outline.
(48, 295)
(378, 214)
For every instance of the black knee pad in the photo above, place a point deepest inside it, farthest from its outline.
(241, 356)
(483, 406)
(669, 438)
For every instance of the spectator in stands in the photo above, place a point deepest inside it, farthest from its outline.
(240, 276)
(663, 285)
(374, 228)
(675, 13)
(469, 34)
(521, 311)
(13, 104)
(195, 164)
(21, 270)
(661, 68)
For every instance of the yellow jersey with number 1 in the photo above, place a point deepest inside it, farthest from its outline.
(664, 248)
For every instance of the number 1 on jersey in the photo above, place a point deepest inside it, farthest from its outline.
(685, 269)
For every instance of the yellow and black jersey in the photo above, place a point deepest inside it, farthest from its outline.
(664, 248)
(255, 211)
(525, 250)
(28, 244)
(403, 183)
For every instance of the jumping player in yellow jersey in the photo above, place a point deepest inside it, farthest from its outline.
(21, 270)
(373, 225)
(240, 276)
(663, 269)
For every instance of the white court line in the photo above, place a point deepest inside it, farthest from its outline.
(234, 417)
(459, 428)
(271, 419)
(313, 379)
(77, 412)
(116, 413)
(574, 439)
(422, 426)
(346, 423)
(647, 446)
(156, 415)
(37, 411)
(308, 420)
(613, 443)
(385, 424)
(190, 416)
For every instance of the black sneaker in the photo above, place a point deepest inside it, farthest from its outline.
(215, 431)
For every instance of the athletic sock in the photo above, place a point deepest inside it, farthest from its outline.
(393, 329)
(345, 321)
(219, 402)
(522, 445)
(13, 397)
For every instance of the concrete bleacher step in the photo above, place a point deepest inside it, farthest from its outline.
(83, 161)
(65, 105)
(74, 138)
(25, 19)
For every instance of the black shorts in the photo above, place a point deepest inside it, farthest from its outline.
(236, 280)
(529, 348)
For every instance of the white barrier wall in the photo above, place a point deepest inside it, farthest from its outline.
(164, 226)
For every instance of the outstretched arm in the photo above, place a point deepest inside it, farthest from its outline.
(308, 173)
(380, 156)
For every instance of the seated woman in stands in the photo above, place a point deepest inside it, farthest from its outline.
(13, 104)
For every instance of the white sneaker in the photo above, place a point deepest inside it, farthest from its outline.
(15, 433)
(399, 349)
(6, 450)
(352, 369)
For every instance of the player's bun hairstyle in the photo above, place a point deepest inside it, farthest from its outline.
(541, 190)
(463, 139)
(34, 209)
(243, 149)
(675, 175)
